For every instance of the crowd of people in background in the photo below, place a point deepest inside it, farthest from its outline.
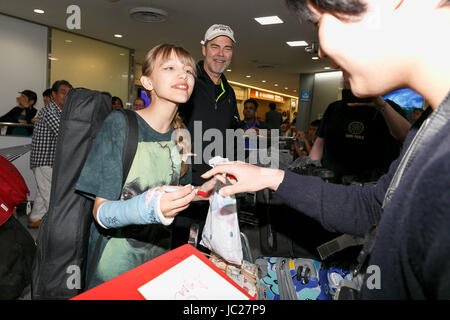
(320, 142)
(326, 140)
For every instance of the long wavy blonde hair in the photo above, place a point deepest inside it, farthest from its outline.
(162, 52)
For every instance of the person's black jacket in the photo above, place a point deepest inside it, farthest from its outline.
(13, 116)
(221, 114)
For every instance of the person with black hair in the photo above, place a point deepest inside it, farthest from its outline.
(273, 117)
(24, 112)
(359, 141)
(43, 146)
(116, 103)
(251, 125)
(47, 96)
(371, 41)
(250, 121)
(304, 140)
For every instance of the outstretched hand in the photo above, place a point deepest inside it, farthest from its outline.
(249, 178)
(205, 190)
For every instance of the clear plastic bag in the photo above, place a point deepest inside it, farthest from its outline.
(221, 233)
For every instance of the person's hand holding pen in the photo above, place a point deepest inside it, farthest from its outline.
(180, 192)
(175, 199)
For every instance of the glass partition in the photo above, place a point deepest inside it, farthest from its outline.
(89, 63)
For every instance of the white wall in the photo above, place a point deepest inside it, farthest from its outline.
(23, 60)
(327, 89)
(90, 63)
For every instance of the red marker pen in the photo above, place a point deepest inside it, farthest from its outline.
(201, 193)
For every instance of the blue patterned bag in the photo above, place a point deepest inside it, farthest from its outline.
(297, 279)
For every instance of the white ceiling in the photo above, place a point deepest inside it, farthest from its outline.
(261, 51)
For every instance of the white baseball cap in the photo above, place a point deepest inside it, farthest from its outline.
(218, 30)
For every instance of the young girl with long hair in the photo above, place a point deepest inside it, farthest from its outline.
(138, 224)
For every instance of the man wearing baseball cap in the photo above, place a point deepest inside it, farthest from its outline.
(212, 106)
(24, 112)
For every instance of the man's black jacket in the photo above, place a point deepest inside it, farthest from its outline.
(221, 115)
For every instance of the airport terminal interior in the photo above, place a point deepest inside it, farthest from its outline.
(102, 45)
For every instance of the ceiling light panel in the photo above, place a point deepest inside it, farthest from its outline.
(269, 20)
(297, 43)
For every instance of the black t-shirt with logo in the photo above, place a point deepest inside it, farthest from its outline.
(357, 141)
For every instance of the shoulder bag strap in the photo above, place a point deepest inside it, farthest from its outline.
(131, 142)
(129, 151)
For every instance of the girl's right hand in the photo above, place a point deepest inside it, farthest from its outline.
(172, 203)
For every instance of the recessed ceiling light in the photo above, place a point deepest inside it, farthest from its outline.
(294, 90)
(315, 58)
(286, 88)
(68, 41)
(263, 80)
(327, 68)
(40, 11)
(269, 20)
(248, 76)
(276, 85)
(297, 43)
(229, 70)
(118, 36)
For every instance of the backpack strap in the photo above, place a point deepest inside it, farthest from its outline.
(131, 142)
(129, 151)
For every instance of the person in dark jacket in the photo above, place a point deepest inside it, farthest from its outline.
(410, 204)
(209, 113)
(251, 125)
(24, 112)
(273, 117)
(213, 102)
(250, 121)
